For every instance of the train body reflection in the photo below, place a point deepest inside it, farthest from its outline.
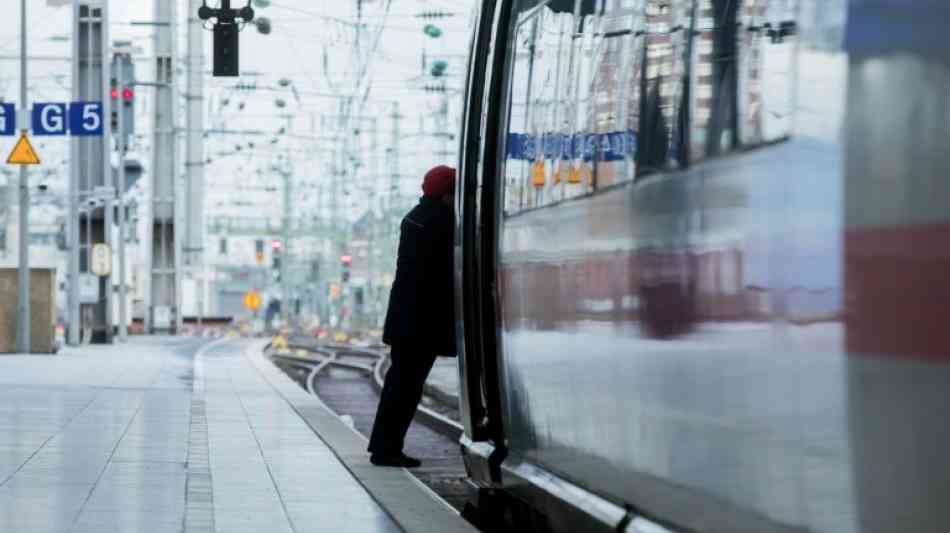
(704, 248)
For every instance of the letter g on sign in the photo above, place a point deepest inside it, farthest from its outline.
(49, 118)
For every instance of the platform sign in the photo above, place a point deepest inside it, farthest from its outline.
(88, 289)
(49, 118)
(101, 259)
(162, 317)
(85, 118)
(7, 119)
(252, 300)
(23, 153)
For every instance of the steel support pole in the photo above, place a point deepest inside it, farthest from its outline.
(288, 174)
(285, 263)
(120, 190)
(107, 223)
(23, 289)
(195, 158)
(73, 222)
(107, 179)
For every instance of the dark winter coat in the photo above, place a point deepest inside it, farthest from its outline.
(421, 310)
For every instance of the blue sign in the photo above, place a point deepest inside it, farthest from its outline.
(878, 27)
(49, 118)
(7, 119)
(85, 118)
(611, 146)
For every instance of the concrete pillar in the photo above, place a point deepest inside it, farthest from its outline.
(163, 311)
(91, 167)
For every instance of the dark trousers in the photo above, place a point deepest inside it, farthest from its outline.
(402, 391)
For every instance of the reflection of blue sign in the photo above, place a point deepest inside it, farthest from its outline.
(7, 119)
(891, 26)
(49, 118)
(611, 146)
(85, 118)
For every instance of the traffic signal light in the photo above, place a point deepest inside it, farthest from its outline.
(259, 251)
(114, 95)
(276, 259)
(314, 271)
(345, 262)
(122, 93)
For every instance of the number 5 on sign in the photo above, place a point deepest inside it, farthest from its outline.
(85, 118)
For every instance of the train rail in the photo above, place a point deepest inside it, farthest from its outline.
(348, 381)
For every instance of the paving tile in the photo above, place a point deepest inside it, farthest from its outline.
(127, 521)
(252, 521)
(165, 497)
(321, 518)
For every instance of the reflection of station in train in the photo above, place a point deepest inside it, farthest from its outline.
(618, 287)
(750, 71)
(688, 81)
(694, 286)
(636, 70)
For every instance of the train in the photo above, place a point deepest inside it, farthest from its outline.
(703, 265)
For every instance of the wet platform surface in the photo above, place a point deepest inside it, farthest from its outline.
(150, 437)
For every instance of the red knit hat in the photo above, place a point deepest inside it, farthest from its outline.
(439, 181)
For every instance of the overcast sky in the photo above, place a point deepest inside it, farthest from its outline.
(304, 32)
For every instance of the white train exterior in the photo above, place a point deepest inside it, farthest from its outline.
(704, 264)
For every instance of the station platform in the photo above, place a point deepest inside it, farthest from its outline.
(181, 434)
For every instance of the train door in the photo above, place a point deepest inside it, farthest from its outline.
(475, 287)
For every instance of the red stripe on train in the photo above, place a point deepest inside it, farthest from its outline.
(897, 291)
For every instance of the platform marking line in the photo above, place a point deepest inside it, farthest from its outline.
(199, 493)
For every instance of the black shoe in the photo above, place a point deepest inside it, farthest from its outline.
(401, 459)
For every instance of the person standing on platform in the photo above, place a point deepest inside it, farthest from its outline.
(420, 320)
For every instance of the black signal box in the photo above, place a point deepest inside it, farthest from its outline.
(226, 61)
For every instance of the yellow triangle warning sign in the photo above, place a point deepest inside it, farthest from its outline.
(23, 153)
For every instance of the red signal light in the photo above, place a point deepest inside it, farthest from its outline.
(275, 245)
(127, 94)
(347, 259)
(114, 93)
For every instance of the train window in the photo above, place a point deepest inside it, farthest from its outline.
(604, 92)
(764, 67)
(540, 100)
(578, 73)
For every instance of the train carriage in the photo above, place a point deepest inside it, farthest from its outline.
(703, 251)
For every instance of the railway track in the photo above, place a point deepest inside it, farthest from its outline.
(348, 380)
